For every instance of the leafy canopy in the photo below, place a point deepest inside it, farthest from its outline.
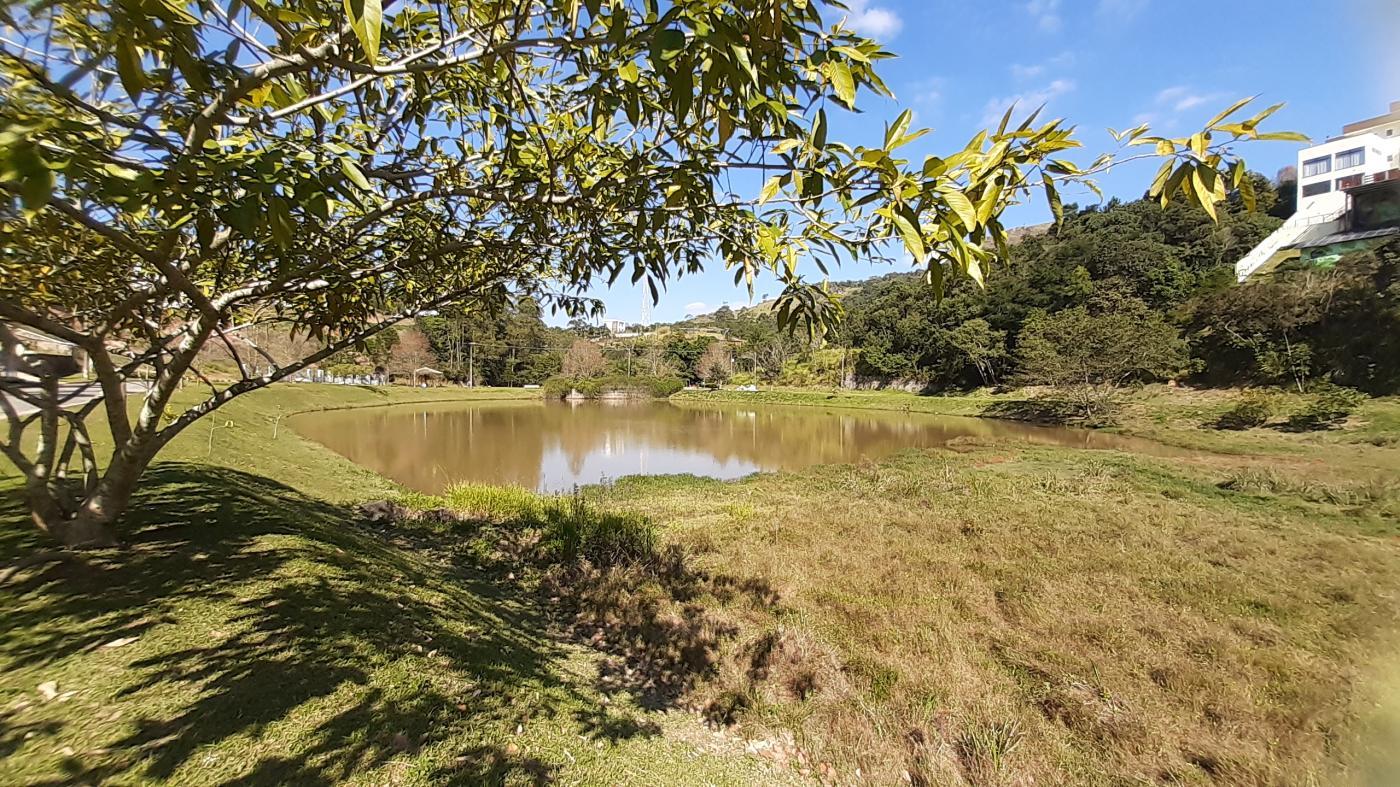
(344, 160)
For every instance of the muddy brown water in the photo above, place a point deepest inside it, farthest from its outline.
(554, 447)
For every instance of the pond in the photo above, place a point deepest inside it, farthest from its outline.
(553, 447)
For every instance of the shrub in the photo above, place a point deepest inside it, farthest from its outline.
(1253, 409)
(1328, 405)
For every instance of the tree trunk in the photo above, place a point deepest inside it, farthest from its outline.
(92, 526)
(74, 532)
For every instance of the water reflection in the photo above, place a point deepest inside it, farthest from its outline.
(555, 446)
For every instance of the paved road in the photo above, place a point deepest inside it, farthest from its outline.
(73, 395)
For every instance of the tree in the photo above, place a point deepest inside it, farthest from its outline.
(174, 168)
(653, 357)
(984, 347)
(716, 365)
(584, 359)
(1088, 355)
(411, 353)
(684, 353)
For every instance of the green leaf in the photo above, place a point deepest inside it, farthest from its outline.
(666, 45)
(726, 127)
(1232, 109)
(681, 82)
(1052, 195)
(353, 172)
(1174, 183)
(897, 129)
(35, 177)
(129, 68)
(1204, 192)
(279, 221)
(962, 206)
(770, 189)
(819, 128)
(908, 227)
(1160, 182)
(628, 72)
(1247, 195)
(1284, 136)
(366, 19)
(974, 269)
(852, 53)
(841, 82)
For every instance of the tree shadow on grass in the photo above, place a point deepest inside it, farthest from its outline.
(278, 624)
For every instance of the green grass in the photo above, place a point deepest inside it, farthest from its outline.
(255, 631)
(998, 613)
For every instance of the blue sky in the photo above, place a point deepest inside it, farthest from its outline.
(1098, 63)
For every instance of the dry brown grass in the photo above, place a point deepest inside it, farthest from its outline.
(1015, 615)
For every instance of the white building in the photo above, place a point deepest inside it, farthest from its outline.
(615, 327)
(1366, 153)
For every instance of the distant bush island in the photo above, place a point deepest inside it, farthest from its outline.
(594, 387)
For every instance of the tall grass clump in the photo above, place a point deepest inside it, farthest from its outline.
(570, 527)
(496, 503)
(574, 529)
(1375, 491)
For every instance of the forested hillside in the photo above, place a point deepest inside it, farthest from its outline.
(1121, 256)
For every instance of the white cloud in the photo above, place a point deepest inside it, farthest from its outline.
(1181, 98)
(875, 21)
(927, 91)
(1122, 10)
(698, 307)
(1022, 73)
(1045, 14)
(1025, 102)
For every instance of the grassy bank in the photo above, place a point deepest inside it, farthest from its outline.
(256, 631)
(1000, 613)
(898, 401)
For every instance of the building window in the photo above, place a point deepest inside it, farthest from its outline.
(1348, 182)
(1317, 166)
(1351, 158)
(1314, 189)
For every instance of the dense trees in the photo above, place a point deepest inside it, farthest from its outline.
(1140, 252)
(716, 366)
(1304, 324)
(506, 346)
